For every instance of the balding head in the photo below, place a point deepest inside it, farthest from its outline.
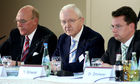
(27, 19)
(30, 10)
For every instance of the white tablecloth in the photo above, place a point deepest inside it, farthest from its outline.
(55, 80)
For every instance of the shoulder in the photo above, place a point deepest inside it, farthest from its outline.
(137, 34)
(44, 30)
(15, 31)
(91, 33)
(113, 41)
(63, 36)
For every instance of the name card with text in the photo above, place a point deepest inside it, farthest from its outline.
(2, 72)
(99, 73)
(31, 72)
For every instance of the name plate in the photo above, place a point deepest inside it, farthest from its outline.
(31, 71)
(2, 72)
(99, 74)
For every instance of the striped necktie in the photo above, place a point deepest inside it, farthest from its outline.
(72, 52)
(124, 52)
(25, 48)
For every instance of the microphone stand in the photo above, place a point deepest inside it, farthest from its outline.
(2, 37)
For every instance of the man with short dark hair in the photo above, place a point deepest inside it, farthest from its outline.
(124, 25)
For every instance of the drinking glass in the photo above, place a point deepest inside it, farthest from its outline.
(6, 61)
(56, 64)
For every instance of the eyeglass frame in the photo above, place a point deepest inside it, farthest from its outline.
(70, 21)
(23, 21)
(118, 26)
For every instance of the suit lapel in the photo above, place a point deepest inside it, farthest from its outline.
(22, 41)
(130, 50)
(35, 42)
(81, 45)
(66, 48)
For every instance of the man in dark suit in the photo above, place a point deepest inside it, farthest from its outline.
(27, 23)
(124, 26)
(86, 40)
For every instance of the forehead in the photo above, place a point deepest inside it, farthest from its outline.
(68, 14)
(118, 20)
(24, 13)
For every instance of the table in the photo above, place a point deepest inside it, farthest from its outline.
(77, 79)
(55, 80)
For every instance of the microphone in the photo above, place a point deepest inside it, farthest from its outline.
(72, 51)
(2, 37)
(40, 43)
(17, 61)
(43, 40)
(68, 73)
(86, 42)
(64, 73)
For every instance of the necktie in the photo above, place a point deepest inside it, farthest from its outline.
(72, 52)
(25, 48)
(124, 52)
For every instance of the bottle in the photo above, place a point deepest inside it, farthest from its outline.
(46, 60)
(126, 69)
(134, 68)
(119, 68)
(139, 64)
(139, 69)
(86, 60)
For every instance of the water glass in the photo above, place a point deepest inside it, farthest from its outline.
(6, 61)
(56, 64)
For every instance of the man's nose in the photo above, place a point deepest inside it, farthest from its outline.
(19, 24)
(114, 29)
(67, 24)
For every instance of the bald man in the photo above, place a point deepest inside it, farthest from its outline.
(27, 27)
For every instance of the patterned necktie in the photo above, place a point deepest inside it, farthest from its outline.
(72, 52)
(25, 48)
(124, 52)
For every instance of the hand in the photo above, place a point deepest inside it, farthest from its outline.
(106, 65)
(53, 68)
(13, 63)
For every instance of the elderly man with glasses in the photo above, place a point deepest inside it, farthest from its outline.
(77, 39)
(25, 43)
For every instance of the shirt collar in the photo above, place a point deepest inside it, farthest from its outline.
(31, 35)
(127, 43)
(77, 37)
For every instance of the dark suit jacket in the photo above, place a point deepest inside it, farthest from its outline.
(89, 41)
(14, 45)
(114, 47)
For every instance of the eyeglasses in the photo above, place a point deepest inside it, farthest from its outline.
(70, 21)
(117, 26)
(23, 21)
